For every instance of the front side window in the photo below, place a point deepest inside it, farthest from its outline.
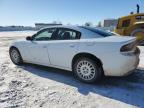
(44, 35)
(126, 23)
(67, 34)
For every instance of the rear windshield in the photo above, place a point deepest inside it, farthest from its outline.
(98, 31)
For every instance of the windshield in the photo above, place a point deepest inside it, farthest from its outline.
(98, 31)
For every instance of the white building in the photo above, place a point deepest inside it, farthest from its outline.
(43, 25)
(110, 22)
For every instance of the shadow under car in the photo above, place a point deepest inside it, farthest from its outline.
(125, 89)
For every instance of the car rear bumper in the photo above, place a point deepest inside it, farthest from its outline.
(126, 73)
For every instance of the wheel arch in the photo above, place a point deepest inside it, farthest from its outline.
(17, 50)
(135, 26)
(87, 55)
(14, 47)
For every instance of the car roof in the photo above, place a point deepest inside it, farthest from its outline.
(77, 28)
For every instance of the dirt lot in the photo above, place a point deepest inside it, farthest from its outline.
(32, 86)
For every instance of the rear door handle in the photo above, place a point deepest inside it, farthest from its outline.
(90, 44)
(72, 45)
(44, 46)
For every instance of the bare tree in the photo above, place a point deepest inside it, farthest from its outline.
(88, 24)
(99, 24)
(56, 22)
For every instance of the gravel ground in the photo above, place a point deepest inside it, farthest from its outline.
(32, 86)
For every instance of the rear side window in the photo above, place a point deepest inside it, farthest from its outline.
(126, 23)
(67, 34)
(99, 32)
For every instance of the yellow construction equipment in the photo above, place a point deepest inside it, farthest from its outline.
(132, 25)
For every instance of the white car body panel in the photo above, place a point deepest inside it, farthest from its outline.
(37, 52)
(60, 53)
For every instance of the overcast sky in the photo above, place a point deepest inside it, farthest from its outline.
(28, 12)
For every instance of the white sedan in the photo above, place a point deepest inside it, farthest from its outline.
(88, 52)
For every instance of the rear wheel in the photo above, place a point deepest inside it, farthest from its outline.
(15, 56)
(87, 70)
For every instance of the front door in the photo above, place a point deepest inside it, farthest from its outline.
(38, 47)
(63, 48)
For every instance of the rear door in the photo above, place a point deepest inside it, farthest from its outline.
(64, 47)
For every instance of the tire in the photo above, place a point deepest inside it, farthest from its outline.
(87, 70)
(15, 56)
(139, 38)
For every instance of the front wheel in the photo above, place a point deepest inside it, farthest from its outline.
(15, 56)
(87, 70)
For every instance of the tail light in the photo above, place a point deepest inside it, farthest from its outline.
(129, 47)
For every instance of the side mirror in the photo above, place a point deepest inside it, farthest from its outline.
(29, 38)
